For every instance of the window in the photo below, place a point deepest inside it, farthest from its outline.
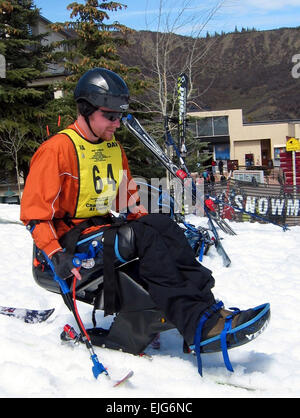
(220, 125)
(214, 126)
(205, 127)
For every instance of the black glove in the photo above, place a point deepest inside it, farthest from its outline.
(63, 264)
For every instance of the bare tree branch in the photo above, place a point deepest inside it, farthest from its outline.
(175, 55)
(12, 139)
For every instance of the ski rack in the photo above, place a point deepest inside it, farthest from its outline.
(253, 215)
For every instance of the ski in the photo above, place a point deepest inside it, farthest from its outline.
(182, 90)
(210, 205)
(133, 125)
(139, 132)
(222, 224)
(218, 245)
(30, 316)
(8, 221)
(119, 381)
(237, 386)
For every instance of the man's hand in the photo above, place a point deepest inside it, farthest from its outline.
(63, 265)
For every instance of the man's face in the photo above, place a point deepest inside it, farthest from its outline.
(104, 123)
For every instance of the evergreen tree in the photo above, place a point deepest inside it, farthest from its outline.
(96, 44)
(21, 103)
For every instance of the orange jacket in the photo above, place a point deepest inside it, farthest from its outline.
(52, 188)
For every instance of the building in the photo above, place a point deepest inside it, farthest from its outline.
(251, 144)
(55, 72)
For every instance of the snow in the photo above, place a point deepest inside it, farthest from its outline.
(265, 268)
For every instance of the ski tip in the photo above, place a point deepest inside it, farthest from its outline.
(31, 316)
(123, 379)
(34, 317)
(48, 313)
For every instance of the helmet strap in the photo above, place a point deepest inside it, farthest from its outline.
(87, 119)
(86, 109)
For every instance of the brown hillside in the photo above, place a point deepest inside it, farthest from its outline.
(249, 70)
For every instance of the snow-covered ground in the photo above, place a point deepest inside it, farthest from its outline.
(265, 268)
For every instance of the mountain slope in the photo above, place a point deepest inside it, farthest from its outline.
(251, 70)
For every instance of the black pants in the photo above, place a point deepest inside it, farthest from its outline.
(179, 285)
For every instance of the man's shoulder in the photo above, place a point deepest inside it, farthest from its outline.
(58, 141)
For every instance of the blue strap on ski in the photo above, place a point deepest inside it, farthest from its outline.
(223, 335)
(197, 340)
(227, 327)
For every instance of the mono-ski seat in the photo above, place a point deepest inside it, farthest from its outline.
(137, 319)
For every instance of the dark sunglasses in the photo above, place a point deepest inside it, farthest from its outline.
(111, 116)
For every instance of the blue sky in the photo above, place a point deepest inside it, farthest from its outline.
(143, 14)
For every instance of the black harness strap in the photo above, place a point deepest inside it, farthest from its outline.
(109, 271)
(69, 239)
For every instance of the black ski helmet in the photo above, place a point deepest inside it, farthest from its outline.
(101, 88)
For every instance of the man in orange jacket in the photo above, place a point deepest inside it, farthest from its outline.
(79, 173)
(62, 189)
